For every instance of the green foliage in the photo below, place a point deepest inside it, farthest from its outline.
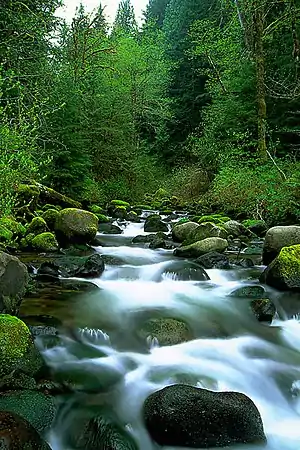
(187, 182)
(259, 192)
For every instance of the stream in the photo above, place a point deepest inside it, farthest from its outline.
(231, 350)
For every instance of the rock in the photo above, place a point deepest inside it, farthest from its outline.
(36, 408)
(75, 226)
(120, 203)
(236, 229)
(95, 209)
(185, 416)
(37, 226)
(50, 217)
(16, 433)
(263, 309)
(119, 212)
(101, 433)
(213, 260)
(133, 217)
(167, 331)
(204, 231)
(284, 271)
(77, 266)
(181, 231)
(154, 223)
(250, 291)
(258, 227)
(213, 244)
(13, 282)
(161, 243)
(28, 196)
(277, 238)
(17, 229)
(45, 242)
(109, 228)
(217, 219)
(17, 349)
(185, 271)
(102, 218)
(5, 235)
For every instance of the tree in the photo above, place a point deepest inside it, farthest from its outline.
(155, 13)
(125, 22)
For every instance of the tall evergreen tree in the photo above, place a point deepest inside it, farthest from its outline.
(155, 12)
(125, 21)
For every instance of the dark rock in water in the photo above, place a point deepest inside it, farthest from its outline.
(109, 228)
(154, 223)
(17, 434)
(172, 216)
(167, 331)
(161, 243)
(185, 271)
(250, 291)
(102, 433)
(213, 260)
(38, 409)
(67, 266)
(97, 242)
(263, 309)
(185, 416)
(112, 260)
(143, 239)
(246, 263)
(13, 282)
(284, 271)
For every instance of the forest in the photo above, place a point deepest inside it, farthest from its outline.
(201, 99)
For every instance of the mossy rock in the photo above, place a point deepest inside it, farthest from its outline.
(161, 194)
(102, 218)
(24, 214)
(13, 283)
(167, 331)
(28, 195)
(50, 196)
(217, 219)
(212, 244)
(50, 206)
(75, 226)
(5, 235)
(120, 203)
(50, 217)
(284, 271)
(97, 210)
(15, 339)
(258, 227)
(12, 225)
(45, 242)
(154, 224)
(145, 207)
(37, 226)
(205, 230)
(37, 408)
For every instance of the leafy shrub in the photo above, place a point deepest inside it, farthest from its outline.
(187, 182)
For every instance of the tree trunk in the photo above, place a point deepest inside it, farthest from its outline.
(258, 23)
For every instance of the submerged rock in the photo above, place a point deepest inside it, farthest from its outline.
(76, 266)
(185, 271)
(277, 238)
(284, 271)
(185, 416)
(16, 434)
(13, 282)
(75, 226)
(109, 228)
(213, 244)
(167, 331)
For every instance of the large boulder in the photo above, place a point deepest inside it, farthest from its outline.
(37, 226)
(183, 270)
(13, 283)
(205, 230)
(75, 226)
(212, 244)
(184, 416)
(17, 433)
(236, 229)
(213, 260)
(17, 350)
(283, 273)
(44, 242)
(181, 231)
(154, 223)
(277, 238)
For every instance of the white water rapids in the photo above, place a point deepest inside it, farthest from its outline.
(258, 360)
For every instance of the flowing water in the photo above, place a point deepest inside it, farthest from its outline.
(231, 351)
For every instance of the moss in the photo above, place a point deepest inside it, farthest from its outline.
(161, 194)
(120, 208)
(289, 260)
(15, 338)
(45, 242)
(102, 218)
(28, 190)
(142, 207)
(76, 226)
(50, 217)
(37, 226)
(12, 225)
(120, 203)
(181, 221)
(96, 210)
(217, 219)
(49, 206)
(5, 234)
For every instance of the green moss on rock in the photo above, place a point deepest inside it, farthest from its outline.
(50, 217)
(5, 234)
(12, 225)
(102, 218)
(75, 226)
(217, 219)
(97, 210)
(120, 203)
(45, 242)
(15, 339)
(37, 225)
